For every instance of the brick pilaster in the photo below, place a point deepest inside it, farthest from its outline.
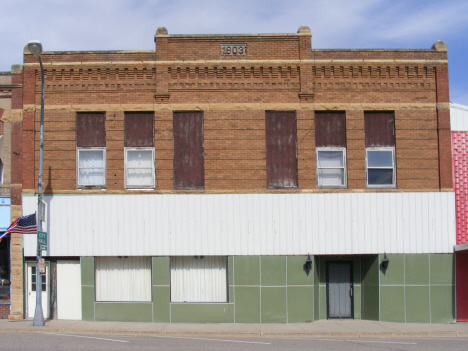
(443, 128)
(16, 246)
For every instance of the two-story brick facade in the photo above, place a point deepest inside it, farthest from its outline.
(190, 183)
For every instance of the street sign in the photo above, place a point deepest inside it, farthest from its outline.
(42, 237)
(42, 211)
(42, 266)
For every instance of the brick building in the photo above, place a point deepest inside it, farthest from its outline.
(192, 182)
(10, 187)
(459, 127)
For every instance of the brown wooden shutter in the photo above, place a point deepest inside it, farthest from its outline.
(188, 150)
(330, 129)
(139, 129)
(281, 165)
(90, 130)
(379, 128)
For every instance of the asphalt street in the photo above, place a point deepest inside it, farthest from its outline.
(55, 341)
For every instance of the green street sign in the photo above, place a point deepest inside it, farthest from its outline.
(42, 237)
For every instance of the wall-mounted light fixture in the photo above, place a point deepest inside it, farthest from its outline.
(308, 262)
(385, 261)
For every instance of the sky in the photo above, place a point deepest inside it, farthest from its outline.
(69, 25)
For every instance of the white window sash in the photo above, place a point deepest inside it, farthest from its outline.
(201, 279)
(320, 179)
(130, 167)
(123, 279)
(392, 168)
(84, 177)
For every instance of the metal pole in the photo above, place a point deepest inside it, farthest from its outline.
(38, 315)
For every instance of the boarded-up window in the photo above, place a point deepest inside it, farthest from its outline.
(188, 150)
(379, 128)
(330, 129)
(139, 129)
(281, 158)
(91, 151)
(330, 142)
(380, 149)
(90, 130)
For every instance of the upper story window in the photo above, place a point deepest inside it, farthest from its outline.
(91, 150)
(330, 146)
(281, 151)
(139, 150)
(380, 149)
(189, 170)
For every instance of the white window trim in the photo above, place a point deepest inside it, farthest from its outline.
(382, 186)
(343, 149)
(174, 298)
(123, 279)
(90, 186)
(140, 187)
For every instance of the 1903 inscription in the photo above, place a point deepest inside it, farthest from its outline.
(233, 49)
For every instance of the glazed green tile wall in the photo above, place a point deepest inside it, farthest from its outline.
(87, 271)
(246, 270)
(87, 288)
(202, 313)
(417, 304)
(231, 270)
(357, 301)
(369, 287)
(442, 304)
(247, 304)
(124, 312)
(392, 307)
(417, 269)
(87, 303)
(323, 302)
(273, 270)
(161, 298)
(273, 304)
(394, 274)
(300, 304)
(439, 266)
(427, 284)
(161, 270)
(297, 275)
(316, 289)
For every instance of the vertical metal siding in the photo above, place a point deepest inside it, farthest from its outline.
(246, 224)
(458, 117)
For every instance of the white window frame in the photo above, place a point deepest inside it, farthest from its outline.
(183, 292)
(136, 187)
(345, 172)
(87, 186)
(380, 186)
(123, 279)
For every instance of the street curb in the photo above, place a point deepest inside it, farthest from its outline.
(214, 334)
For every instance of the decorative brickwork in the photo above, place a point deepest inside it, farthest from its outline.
(460, 180)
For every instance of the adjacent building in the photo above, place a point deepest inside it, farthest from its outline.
(459, 126)
(241, 178)
(11, 276)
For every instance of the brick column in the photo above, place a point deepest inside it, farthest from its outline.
(443, 123)
(161, 39)
(16, 243)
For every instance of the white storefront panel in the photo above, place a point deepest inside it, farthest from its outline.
(246, 224)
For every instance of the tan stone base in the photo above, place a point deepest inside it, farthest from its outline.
(15, 316)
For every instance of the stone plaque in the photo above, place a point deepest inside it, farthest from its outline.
(233, 49)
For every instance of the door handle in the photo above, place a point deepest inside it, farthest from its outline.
(351, 292)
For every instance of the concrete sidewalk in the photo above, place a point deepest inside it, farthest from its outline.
(319, 329)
